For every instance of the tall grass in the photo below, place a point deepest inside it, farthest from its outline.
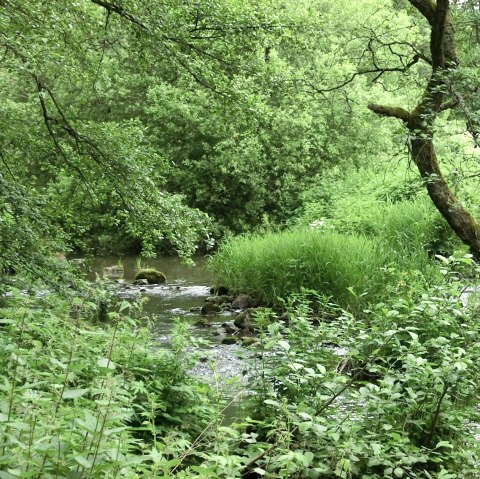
(350, 230)
(393, 207)
(408, 227)
(339, 265)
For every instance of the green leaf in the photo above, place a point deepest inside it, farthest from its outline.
(308, 457)
(413, 335)
(7, 321)
(106, 363)
(444, 444)
(260, 471)
(19, 359)
(124, 305)
(74, 393)
(442, 258)
(7, 475)
(83, 462)
(377, 448)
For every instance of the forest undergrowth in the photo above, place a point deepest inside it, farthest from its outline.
(387, 392)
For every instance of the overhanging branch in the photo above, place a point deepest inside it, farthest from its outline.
(112, 7)
(391, 111)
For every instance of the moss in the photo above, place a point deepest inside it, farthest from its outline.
(151, 275)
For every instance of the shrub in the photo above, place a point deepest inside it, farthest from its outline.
(393, 207)
(76, 399)
(391, 393)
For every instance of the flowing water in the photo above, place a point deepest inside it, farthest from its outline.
(182, 296)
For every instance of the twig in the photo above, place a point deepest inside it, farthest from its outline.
(206, 428)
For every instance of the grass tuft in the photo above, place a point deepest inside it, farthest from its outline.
(339, 265)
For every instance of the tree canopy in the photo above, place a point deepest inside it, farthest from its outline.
(161, 125)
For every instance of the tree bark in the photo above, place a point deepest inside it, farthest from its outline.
(457, 216)
(421, 119)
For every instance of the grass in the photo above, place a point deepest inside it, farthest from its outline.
(339, 265)
(354, 231)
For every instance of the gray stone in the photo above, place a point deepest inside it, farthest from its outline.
(243, 320)
(151, 275)
(249, 340)
(243, 301)
(219, 299)
(203, 323)
(229, 328)
(210, 308)
(220, 290)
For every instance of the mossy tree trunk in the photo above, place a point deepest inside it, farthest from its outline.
(421, 119)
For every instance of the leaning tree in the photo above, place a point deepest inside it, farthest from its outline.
(440, 94)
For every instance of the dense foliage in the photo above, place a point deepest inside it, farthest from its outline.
(129, 126)
(387, 393)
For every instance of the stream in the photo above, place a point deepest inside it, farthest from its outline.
(182, 297)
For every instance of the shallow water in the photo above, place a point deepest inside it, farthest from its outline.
(181, 297)
(172, 267)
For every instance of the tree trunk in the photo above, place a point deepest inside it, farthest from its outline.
(459, 219)
(421, 119)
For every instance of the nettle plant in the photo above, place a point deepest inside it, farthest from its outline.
(389, 393)
(79, 400)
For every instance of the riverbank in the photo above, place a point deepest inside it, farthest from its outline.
(121, 399)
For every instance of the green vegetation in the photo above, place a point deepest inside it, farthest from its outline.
(275, 265)
(392, 207)
(398, 404)
(325, 154)
(389, 393)
(354, 235)
(77, 399)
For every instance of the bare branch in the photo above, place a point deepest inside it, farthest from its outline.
(379, 71)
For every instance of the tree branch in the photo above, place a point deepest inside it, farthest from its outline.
(48, 120)
(4, 161)
(437, 46)
(391, 111)
(426, 8)
(112, 7)
(378, 70)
